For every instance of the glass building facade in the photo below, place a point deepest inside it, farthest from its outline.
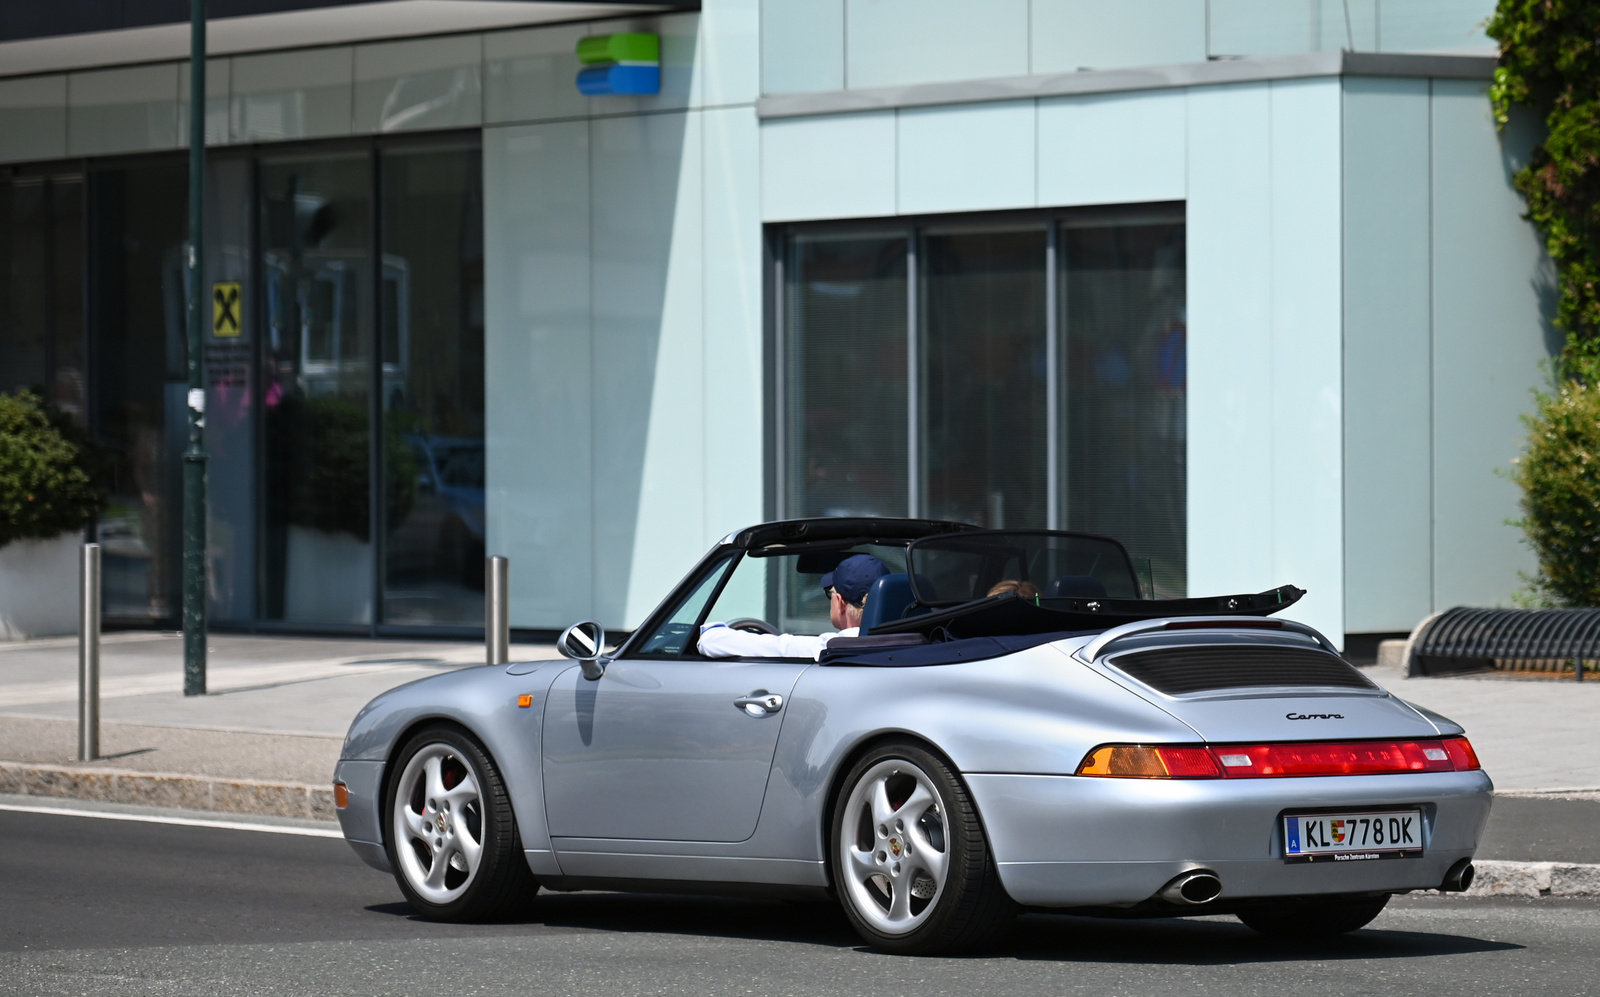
(345, 415)
(1022, 371)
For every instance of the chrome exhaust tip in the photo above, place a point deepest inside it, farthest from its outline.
(1197, 886)
(1459, 878)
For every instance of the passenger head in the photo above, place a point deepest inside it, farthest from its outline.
(1024, 590)
(847, 587)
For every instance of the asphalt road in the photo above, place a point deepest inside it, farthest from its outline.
(110, 907)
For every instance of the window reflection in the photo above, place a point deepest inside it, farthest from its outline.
(846, 355)
(137, 277)
(1125, 473)
(432, 322)
(983, 375)
(315, 225)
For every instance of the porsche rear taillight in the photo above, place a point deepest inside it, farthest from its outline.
(1147, 761)
(1265, 761)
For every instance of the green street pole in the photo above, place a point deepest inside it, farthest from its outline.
(194, 457)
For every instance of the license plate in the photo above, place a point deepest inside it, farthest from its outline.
(1353, 837)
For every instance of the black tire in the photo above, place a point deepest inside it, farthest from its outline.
(502, 883)
(970, 910)
(1309, 919)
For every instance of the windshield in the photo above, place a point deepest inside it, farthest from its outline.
(785, 590)
(949, 570)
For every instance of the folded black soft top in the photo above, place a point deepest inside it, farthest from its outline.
(863, 652)
(1007, 615)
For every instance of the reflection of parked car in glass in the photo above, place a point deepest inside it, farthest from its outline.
(443, 536)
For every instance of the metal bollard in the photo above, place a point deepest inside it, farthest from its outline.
(497, 610)
(89, 655)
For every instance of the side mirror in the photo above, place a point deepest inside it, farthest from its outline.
(583, 642)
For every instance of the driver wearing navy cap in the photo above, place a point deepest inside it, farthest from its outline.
(846, 586)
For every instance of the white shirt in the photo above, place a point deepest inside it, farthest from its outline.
(718, 640)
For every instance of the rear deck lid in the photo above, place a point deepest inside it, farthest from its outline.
(1260, 687)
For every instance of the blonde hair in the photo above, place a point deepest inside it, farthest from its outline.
(1024, 590)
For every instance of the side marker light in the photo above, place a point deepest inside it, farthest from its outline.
(341, 795)
(524, 700)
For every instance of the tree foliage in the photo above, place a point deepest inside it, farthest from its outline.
(53, 479)
(1550, 63)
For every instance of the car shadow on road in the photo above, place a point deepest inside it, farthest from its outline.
(1037, 936)
(1216, 941)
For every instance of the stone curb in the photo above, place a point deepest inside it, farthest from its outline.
(1497, 878)
(167, 789)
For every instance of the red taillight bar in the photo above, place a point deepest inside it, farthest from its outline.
(1265, 761)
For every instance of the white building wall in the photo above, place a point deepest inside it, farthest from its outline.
(819, 45)
(623, 339)
(1388, 447)
(1492, 284)
(1264, 335)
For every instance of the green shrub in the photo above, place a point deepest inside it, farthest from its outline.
(320, 462)
(1560, 479)
(52, 476)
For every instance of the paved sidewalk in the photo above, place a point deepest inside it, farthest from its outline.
(1533, 735)
(265, 738)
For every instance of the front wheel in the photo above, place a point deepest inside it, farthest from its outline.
(910, 860)
(452, 840)
(1311, 919)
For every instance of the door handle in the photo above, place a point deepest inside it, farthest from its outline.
(760, 703)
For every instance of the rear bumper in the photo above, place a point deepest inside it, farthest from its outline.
(1068, 841)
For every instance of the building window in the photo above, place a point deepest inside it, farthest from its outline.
(344, 387)
(1018, 370)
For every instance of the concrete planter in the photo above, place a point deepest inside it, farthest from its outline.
(39, 587)
(329, 577)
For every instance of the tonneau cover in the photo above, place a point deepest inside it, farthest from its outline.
(840, 652)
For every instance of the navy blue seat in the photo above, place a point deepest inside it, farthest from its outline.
(1076, 587)
(888, 599)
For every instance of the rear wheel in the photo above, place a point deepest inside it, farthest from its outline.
(910, 860)
(1310, 919)
(452, 840)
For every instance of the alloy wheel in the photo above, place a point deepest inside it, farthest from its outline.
(894, 846)
(438, 823)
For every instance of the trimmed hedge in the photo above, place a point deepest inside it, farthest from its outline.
(53, 478)
(1560, 479)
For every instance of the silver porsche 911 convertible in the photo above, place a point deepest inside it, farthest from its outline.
(1064, 744)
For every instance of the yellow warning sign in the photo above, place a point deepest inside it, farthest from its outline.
(227, 317)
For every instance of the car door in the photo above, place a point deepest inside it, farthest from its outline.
(667, 750)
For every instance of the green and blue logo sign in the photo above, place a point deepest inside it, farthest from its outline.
(628, 63)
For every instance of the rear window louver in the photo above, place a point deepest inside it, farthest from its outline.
(1179, 670)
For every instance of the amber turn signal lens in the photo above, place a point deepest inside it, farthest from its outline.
(524, 700)
(341, 795)
(1141, 761)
